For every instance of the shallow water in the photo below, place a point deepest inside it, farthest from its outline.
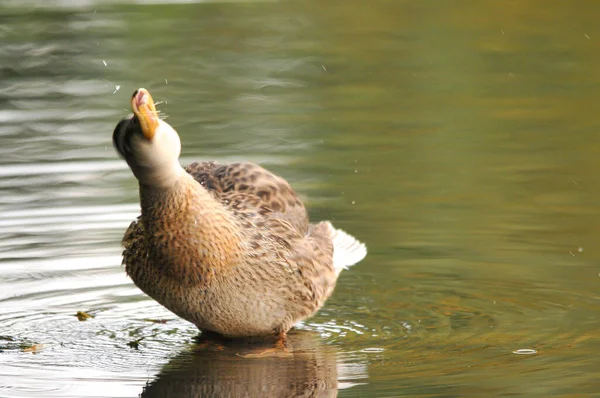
(458, 140)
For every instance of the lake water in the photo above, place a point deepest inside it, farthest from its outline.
(459, 140)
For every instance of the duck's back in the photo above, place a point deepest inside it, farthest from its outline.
(251, 187)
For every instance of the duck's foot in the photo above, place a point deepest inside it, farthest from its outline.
(210, 341)
(280, 348)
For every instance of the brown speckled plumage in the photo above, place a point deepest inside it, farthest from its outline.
(226, 247)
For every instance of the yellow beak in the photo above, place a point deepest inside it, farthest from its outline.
(143, 108)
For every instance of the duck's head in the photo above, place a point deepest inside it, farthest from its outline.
(150, 146)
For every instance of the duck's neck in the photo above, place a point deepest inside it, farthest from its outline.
(171, 195)
(162, 177)
(191, 234)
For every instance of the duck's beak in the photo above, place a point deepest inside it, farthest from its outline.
(144, 110)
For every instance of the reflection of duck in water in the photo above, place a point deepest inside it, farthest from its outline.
(226, 247)
(308, 371)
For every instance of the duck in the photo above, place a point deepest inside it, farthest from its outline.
(227, 247)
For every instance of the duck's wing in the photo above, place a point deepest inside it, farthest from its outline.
(133, 244)
(310, 255)
(203, 173)
(319, 258)
(259, 188)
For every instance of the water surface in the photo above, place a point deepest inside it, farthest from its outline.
(458, 140)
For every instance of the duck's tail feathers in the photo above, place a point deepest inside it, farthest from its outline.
(347, 250)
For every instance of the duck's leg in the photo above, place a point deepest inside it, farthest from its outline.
(279, 348)
(210, 341)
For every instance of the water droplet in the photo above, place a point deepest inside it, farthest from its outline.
(525, 351)
(372, 349)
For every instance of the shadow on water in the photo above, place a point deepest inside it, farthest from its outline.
(308, 369)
